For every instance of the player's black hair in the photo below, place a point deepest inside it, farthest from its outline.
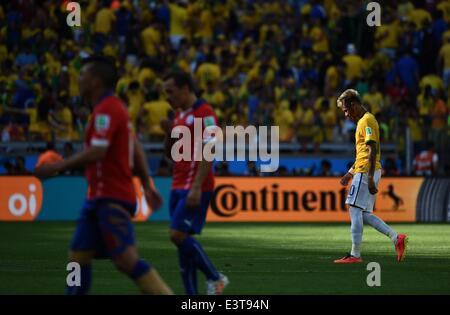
(50, 145)
(104, 68)
(181, 79)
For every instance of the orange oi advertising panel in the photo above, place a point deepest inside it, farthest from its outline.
(279, 199)
(20, 198)
(144, 210)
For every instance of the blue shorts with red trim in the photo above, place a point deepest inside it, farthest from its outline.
(188, 220)
(103, 228)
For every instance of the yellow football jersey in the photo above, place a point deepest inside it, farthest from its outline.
(366, 131)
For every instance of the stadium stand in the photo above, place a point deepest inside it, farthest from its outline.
(257, 62)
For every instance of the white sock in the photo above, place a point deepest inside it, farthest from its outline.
(356, 250)
(357, 230)
(393, 237)
(379, 225)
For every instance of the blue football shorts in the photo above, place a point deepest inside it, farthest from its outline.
(104, 228)
(188, 220)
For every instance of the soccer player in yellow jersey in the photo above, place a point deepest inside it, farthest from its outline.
(365, 174)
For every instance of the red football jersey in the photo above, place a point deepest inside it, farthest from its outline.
(110, 127)
(184, 171)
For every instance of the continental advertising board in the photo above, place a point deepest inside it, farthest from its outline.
(306, 200)
(246, 199)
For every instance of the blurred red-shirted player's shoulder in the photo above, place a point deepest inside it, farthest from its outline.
(110, 127)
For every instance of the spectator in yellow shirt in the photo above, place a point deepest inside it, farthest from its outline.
(60, 119)
(387, 35)
(444, 7)
(319, 37)
(206, 23)
(151, 38)
(374, 99)
(74, 89)
(208, 71)
(329, 119)
(213, 96)
(284, 118)
(334, 76)
(104, 20)
(418, 15)
(103, 26)
(354, 64)
(178, 22)
(415, 125)
(135, 98)
(425, 104)
(404, 8)
(304, 124)
(153, 113)
(432, 80)
(444, 62)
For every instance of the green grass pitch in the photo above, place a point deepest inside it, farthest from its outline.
(264, 258)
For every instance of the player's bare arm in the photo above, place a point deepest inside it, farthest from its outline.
(348, 176)
(88, 156)
(372, 146)
(141, 170)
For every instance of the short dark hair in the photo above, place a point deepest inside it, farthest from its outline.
(181, 79)
(50, 146)
(104, 68)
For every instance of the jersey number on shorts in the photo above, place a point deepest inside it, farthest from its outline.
(352, 190)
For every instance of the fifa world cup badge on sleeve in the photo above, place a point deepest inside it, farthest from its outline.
(102, 122)
(209, 121)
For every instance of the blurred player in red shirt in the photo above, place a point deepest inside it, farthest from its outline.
(192, 185)
(111, 154)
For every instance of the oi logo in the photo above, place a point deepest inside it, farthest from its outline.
(20, 198)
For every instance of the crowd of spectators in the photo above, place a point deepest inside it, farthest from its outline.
(257, 62)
